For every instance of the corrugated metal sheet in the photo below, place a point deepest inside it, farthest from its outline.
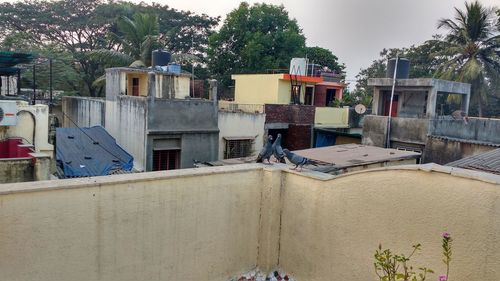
(486, 162)
(465, 141)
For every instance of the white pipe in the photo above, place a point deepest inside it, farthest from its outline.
(388, 139)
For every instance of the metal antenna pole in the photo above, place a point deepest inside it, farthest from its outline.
(388, 139)
(50, 85)
(34, 85)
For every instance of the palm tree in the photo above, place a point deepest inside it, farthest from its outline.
(472, 49)
(135, 39)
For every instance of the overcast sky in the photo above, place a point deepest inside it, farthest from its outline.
(355, 30)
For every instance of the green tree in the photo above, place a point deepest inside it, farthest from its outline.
(134, 40)
(254, 39)
(422, 65)
(324, 57)
(471, 50)
(81, 26)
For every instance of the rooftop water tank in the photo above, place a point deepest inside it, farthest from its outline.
(160, 58)
(403, 71)
(298, 66)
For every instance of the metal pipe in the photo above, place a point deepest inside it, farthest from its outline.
(34, 85)
(388, 139)
(18, 81)
(50, 85)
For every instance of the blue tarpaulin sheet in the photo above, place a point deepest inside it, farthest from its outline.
(323, 139)
(87, 152)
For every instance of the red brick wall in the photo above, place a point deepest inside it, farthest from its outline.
(298, 137)
(291, 114)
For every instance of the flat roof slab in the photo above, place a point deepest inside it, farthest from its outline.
(438, 84)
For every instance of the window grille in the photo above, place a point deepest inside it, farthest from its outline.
(166, 160)
(238, 148)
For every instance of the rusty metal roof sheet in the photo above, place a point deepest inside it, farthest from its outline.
(350, 155)
(487, 162)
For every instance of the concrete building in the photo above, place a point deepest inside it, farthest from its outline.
(241, 133)
(417, 98)
(216, 223)
(294, 104)
(151, 115)
(422, 120)
(281, 88)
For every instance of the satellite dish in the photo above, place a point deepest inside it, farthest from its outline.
(360, 109)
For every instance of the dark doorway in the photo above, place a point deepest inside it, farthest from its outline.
(387, 103)
(135, 86)
(308, 98)
(330, 96)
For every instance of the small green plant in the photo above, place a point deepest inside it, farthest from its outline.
(392, 267)
(446, 245)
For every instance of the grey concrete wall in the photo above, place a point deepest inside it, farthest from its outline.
(126, 122)
(412, 104)
(83, 111)
(410, 130)
(194, 122)
(478, 129)
(16, 170)
(374, 130)
(443, 151)
(182, 115)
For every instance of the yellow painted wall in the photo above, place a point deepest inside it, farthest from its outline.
(256, 88)
(149, 226)
(330, 229)
(143, 83)
(212, 223)
(331, 117)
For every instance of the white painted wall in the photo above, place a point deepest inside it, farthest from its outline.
(126, 122)
(33, 125)
(240, 124)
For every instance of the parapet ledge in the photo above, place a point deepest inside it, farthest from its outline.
(432, 167)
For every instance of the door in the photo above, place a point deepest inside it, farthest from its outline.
(308, 98)
(387, 103)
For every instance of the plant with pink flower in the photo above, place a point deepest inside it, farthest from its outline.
(446, 245)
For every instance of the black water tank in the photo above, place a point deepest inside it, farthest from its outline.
(403, 68)
(160, 58)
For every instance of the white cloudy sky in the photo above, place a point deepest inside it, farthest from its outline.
(355, 30)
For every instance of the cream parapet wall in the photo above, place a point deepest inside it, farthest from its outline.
(214, 223)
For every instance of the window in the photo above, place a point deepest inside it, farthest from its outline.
(166, 160)
(237, 148)
(135, 86)
(295, 98)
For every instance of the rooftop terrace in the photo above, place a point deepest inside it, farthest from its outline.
(217, 223)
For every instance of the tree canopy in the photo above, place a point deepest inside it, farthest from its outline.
(472, 50)
(79, 27)
(254, 39)
(324, 57)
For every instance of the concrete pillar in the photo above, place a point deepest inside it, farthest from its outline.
(431, 103)
(376, 101)
(41, 169)
(270, 219)
(465, 103)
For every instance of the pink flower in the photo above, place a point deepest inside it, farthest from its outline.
(446, 235)
(443, 278)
